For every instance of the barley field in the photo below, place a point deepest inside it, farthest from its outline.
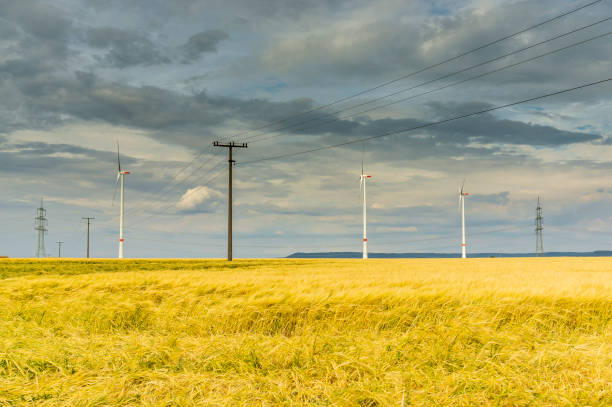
(491, 332)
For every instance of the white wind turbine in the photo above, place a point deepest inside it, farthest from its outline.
(120, 175)
(362, 182)
(462, 196)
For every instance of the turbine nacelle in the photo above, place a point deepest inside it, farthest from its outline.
(363, 178)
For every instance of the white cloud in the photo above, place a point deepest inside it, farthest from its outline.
(200, 198)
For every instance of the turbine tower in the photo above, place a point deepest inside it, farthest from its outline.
(362, 182)
(41, 226)
(462, 196)
(120, 176)
(538, 230)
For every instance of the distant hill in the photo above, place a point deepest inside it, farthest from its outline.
(357, 255)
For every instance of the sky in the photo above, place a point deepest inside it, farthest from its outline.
(166, 79)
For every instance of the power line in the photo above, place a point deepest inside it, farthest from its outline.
(333, 119)
(179, 184)
(186, 195)
(426, 125)
(429, 67)
(170, 187)
(381, 85)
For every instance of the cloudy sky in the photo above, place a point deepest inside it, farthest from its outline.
(166, 78)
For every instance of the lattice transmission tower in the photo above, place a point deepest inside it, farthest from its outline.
(41, 226)
(538, 230)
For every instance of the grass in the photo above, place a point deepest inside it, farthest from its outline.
(497, 332)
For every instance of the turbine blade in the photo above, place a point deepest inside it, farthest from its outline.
(362, 156)
(116, 186)
(118, 159)
(462, 184)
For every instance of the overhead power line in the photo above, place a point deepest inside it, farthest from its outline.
(333, 119)
(170, 183)
(203, 172)
(424, 69)
(426, 125)
(160, 211)
(383, 84)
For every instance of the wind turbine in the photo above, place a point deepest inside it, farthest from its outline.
(462, 196)
(120, 175)
(362, 182)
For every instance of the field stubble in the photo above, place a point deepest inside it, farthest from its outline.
(306, 332)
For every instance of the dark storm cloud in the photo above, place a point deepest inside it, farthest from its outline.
(42, 148)
(125, 47)
(387, 47)
(8, 29)
(43, 33)
(260, 9)
(35, 38)
(200, 43)
(56, 159)
(607, 141)
(27, 164)
(84, 96)
(285, 9)
(484, 129)
(34, 157)
(38, 19)
(48, 95)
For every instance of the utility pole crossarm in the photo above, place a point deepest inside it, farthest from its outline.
(230, 146)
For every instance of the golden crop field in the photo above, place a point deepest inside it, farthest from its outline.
(499, 332)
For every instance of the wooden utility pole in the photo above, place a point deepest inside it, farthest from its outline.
(88, 223)
(231, 162)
